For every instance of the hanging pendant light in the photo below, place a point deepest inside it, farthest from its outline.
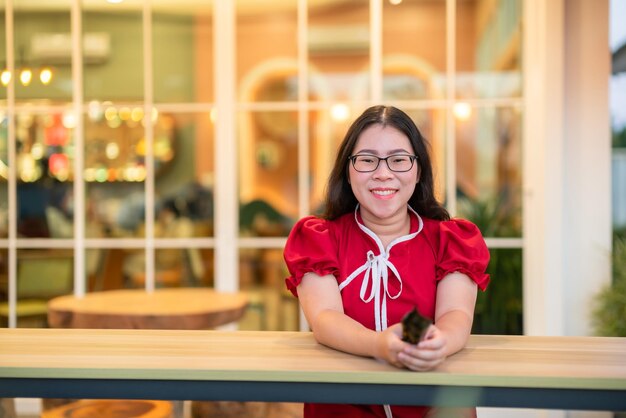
(45, 75)
(5, 77)
(26, 76)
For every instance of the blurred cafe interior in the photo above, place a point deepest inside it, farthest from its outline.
(156, 144)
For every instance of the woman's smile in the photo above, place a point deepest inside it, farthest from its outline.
(384, 193)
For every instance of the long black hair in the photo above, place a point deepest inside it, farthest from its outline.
(340, 199)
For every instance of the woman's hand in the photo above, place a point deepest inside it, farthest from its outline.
(423, 356)
(389, 345)
(427, 354)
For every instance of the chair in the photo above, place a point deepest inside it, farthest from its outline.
(41, 275)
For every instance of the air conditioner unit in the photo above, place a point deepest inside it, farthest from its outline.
(345, 39)
(56, 48)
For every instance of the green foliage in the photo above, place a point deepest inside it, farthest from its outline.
(619, 138)
(499, 308)
(609, 315)
(495, 217)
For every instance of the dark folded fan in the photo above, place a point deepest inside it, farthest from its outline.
(414, 326)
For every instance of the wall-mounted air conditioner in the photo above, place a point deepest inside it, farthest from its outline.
(56, 48)
(345, 39)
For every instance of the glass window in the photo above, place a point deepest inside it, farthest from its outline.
(414, 68)
(4, 175)
(42, 52)
(113, 67)
(5, 75)
(489, 161)
(41, 275)
(114, 169)
(184, 175)
(488, 49)
(262, 276)
(44, 147)
(148, 129)
(108, 268)
(182, 74)
(339, 51)
(268, 170)
(499, 309)
(327, 129)
(4, 287)
(266, 51)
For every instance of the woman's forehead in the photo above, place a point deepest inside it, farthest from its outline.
(378, 138)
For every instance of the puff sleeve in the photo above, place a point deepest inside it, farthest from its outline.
(310, 248)
(462, 249)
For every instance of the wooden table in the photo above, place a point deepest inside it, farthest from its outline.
(506, 371)
(178, 308)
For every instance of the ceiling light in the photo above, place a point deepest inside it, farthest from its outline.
(26, 76)
(5, 77)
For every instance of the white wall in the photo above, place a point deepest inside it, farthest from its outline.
(587, 169)
(567, 206)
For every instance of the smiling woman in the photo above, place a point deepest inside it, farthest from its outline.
(383, 248)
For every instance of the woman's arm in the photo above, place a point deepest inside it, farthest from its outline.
(454, 313)
(321, 303)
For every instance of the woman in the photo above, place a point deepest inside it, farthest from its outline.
(384, 246)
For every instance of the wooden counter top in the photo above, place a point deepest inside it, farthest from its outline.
(580, 365)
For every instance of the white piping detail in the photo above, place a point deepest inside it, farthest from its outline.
(377, 268)
(388, 413)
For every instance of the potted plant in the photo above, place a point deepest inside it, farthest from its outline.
(609, 314)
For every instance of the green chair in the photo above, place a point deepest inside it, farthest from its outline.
(41, 275)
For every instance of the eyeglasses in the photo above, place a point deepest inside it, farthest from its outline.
(365, 163)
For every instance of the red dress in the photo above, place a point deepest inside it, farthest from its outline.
(410, 266)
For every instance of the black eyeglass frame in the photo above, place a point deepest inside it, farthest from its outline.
(353, 158)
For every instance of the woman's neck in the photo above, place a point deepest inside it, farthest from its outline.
(389, 229)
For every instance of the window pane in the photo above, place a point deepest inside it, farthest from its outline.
(4, 287)
(114, 169)
(4, 175)
(272, 307)
(339, 36)
(42, 51)
(499, 309)
(184, 183)
(489, 165)
(114, 71)
(113, 268)
(327, 129)
(4, 81)
(489, 49)
(42, 274)
(267, 51)
(44, 173)
(115, 210)
(268, 170)
(412, 67)
(432, 125)
(182, 52)
(174, 267)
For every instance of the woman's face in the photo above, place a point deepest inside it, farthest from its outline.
(382, 193)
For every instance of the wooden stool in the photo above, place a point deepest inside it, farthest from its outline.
(229, 409)
(7, 408)
(103, 408)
